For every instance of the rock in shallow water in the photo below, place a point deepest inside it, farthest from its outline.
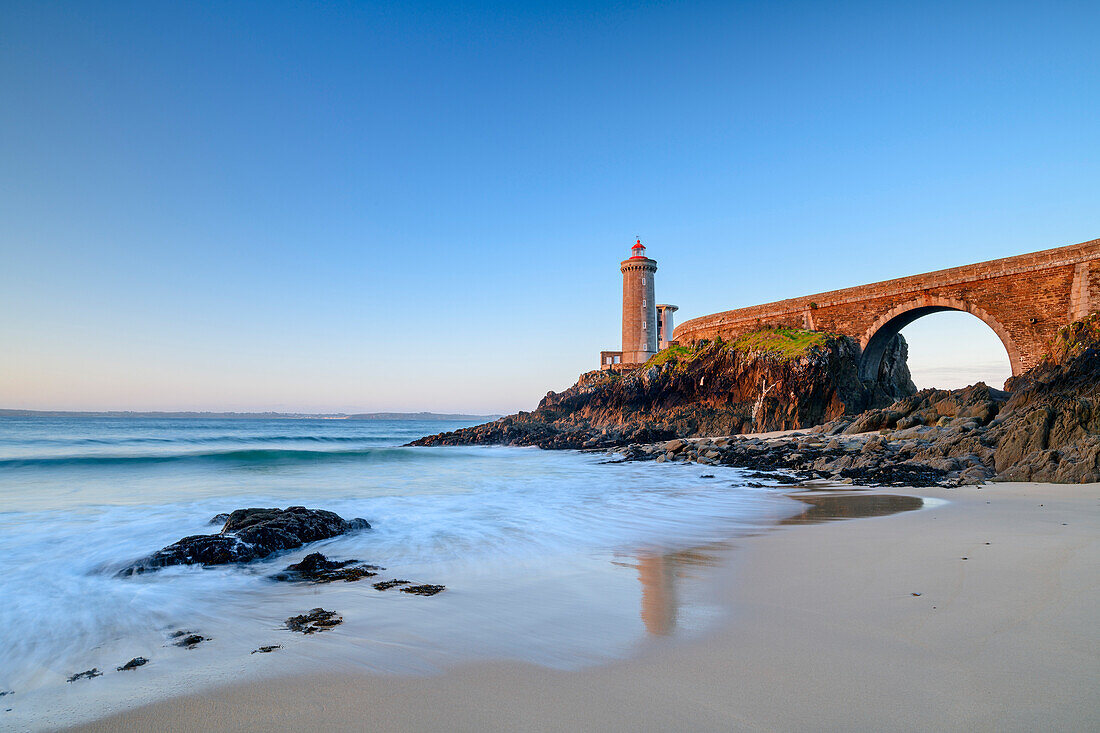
(424, 590)
(387, 584)
(86, 674)
(189, 640)
(317, 568)
(250, 534)
(133, 664)
(317, 619)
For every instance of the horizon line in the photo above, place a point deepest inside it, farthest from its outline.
(24, 412)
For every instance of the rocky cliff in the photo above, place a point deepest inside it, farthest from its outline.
(1049, 429)
(1046, 429)
(773, 379)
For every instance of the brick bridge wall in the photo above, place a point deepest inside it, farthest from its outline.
(1024, 299)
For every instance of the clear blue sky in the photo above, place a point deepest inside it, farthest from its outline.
(369, 206)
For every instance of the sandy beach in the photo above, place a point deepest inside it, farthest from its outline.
(977, 613)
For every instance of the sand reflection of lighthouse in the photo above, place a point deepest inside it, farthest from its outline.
(658, 576)
(660, 573)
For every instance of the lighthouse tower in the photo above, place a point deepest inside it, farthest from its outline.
(639, 306)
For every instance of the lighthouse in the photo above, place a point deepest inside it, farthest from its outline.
(639, 306)
(647, 326)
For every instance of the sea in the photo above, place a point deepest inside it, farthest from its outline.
(556, 558)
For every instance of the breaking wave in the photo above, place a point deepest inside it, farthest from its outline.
(249, 456)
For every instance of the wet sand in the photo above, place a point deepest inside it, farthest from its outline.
(826, 631)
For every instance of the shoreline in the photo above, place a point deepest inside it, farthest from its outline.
(823, 631)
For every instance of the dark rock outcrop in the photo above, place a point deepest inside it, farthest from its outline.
(87, 674)
(1049, 430)
(132, 664)
(251, 534)
(187, 640)
(387, 584)
(318, 619)
(316, 568)
(794, 459)
(1045, 428)
(423, 590)
(752, 385)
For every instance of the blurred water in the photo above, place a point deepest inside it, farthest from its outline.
(554, 557)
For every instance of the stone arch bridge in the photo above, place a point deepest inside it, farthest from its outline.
(1024, 299)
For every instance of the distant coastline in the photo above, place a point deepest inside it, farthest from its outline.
(252, 415)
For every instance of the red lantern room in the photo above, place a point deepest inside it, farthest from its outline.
(638, 250)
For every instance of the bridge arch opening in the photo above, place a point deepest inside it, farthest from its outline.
(878, 337)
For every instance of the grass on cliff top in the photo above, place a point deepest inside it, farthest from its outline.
(672, 353)
(1074, 338)
(786, 343)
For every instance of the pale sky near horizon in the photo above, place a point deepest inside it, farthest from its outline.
(422, 206)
